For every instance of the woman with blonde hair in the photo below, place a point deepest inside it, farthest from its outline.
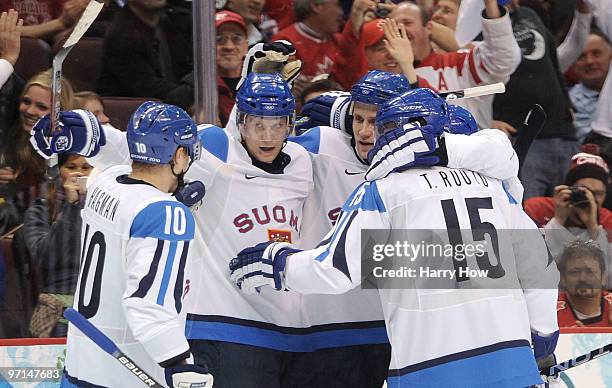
(21, 169)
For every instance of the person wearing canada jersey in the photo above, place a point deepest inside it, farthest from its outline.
(583, 301)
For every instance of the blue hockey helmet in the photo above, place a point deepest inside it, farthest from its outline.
(377, 87)
(461, 120)
(417, 105)
(268, 98)
(156, 130)
(266, 95)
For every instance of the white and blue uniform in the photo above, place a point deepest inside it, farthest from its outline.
(134, 276)
(450, 337)
(337, 172)
(243, 206)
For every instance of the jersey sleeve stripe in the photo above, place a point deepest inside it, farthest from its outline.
(167, 272)
(178, 286)
(147, 281)
(339, 257)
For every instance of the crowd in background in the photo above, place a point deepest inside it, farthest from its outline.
(553, 53)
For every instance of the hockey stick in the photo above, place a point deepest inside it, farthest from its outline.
(572, 362)
(106, 344)
(529, 130)
(87, 18)
(476, 91)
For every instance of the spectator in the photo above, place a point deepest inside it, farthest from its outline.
(231, 48)
(575, 212)
(250, 10)
(592, 69)
(446, 12)
(52, 230)
(317, 41)
(46, 19)
(22, 174)
(538, 80)
(92, 102)
(602, 119)
(146, 54)
(583, 302)
(492, 61)
(316, 88)
(10, 83)
(10, 43)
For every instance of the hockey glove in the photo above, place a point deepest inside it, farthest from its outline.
(330, 109)
(271, 58)
(260, 265)
(80, 132)
(544, 353)
(186, 376)
(402, 148)
(191, 194)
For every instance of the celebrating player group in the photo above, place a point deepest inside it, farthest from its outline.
(259, 283)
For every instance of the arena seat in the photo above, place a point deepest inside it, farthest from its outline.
(35, 56)
(82, 65)
(120, 109)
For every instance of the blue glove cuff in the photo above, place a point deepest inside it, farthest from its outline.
(544, 346)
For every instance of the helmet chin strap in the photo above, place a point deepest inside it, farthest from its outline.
(181, 175)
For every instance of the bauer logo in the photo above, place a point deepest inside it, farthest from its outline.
(137, 371)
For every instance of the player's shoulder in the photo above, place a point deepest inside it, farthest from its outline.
(215, 140)
(365, 197)
(164, 218)
(323, 140)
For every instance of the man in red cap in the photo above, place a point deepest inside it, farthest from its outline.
(232, 46)
(575, 211)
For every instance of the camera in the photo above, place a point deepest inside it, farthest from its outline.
(381, 12)
(578, 197)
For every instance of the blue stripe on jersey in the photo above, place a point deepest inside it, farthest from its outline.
(510, 197)
(164, 220)
(145, 283)
(215, 141)
(72, 382)
(365, 197)
(289, 342)
(505, 365)
(339, 257)
(167, 272)
(311, 140)
(178, 286)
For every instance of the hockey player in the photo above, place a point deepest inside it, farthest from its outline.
(249, 330)
(340, 160)
(256, 184)
(134, 271)
(452, 337)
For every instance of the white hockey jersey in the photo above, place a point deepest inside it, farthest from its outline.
(244, 205)
(355, 318)
(135, 242)
(445, 337)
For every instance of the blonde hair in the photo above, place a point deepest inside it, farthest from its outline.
(81, 98)
(24, 155)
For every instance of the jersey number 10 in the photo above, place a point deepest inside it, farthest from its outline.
(97, 241)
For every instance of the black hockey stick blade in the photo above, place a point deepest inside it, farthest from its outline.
(529, 130)
(572, 362)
